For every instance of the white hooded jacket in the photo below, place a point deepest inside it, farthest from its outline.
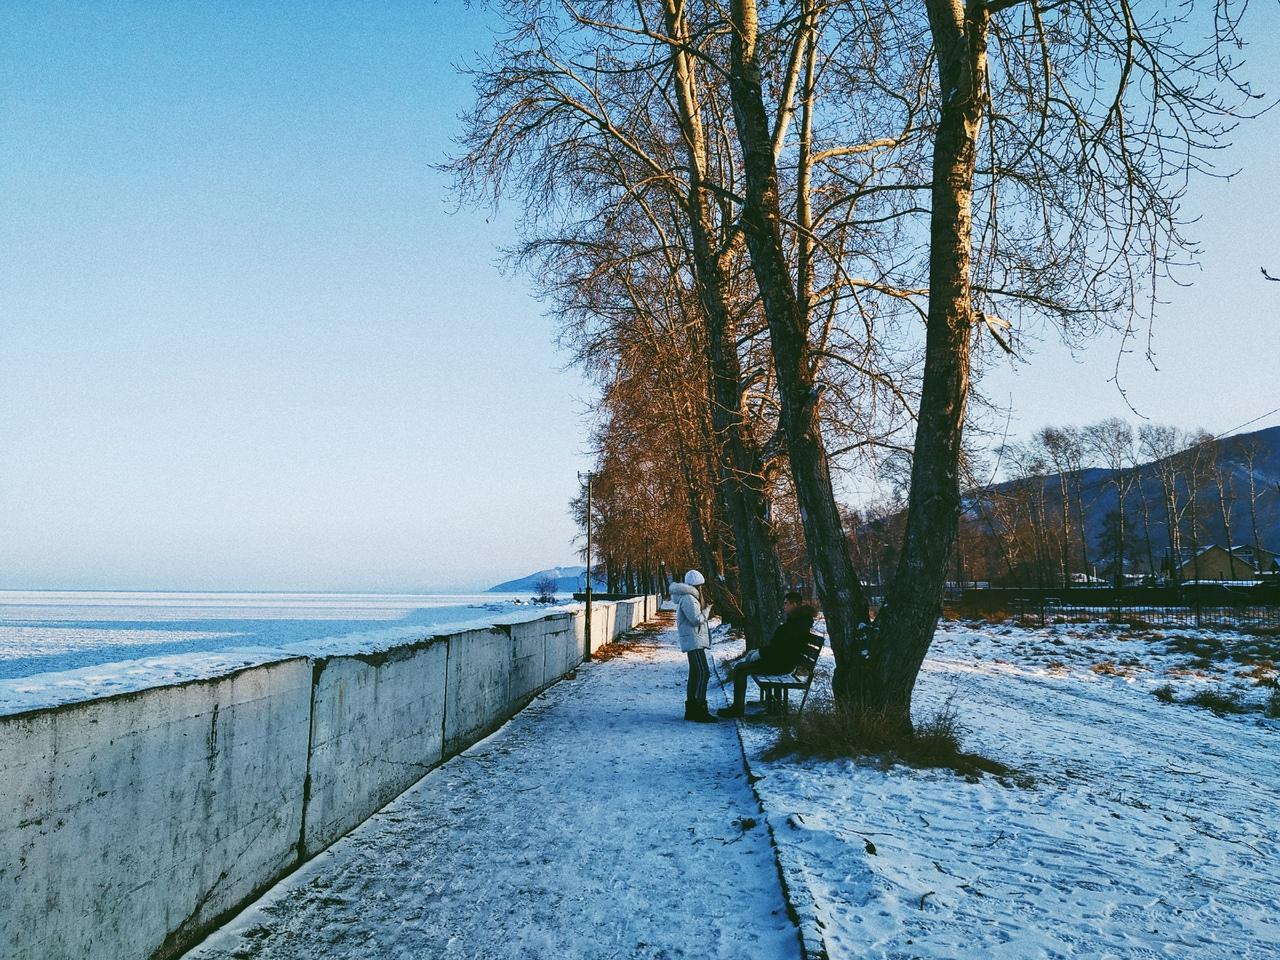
(691, 621)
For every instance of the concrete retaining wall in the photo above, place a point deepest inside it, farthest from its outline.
(563, 644)
(131, 825)
(376, 728)
(477, 686)
(630, 614)
(602, 623)
(623, 614)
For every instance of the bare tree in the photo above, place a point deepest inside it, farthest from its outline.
(583, 132)
(1027, 160)
(1159, 446)
(1071, 451)
(1221, 468)
(1095, 113)
(620, 111)
(1112, 441)
(1028, 510)
(1248, 448)
(1197, 460)
(1093, 116)
(545, 589)
(1060, 447)
(1141, 473)
(861, 673)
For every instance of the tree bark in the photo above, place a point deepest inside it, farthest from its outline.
(1146, 526)
(741, 467)
(913, 604)
(844, 602)
(1065, 504)
(723, 582)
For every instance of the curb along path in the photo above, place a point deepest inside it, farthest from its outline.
(596, 823)
(797, 882)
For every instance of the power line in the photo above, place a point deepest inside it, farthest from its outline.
(1225, 433)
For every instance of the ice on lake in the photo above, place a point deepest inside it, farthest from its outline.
(43, 631)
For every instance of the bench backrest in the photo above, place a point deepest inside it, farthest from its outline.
(812, 650)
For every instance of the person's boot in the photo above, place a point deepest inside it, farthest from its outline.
(734, 711)
(696, 710)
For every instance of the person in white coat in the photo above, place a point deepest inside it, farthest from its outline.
(695, 639)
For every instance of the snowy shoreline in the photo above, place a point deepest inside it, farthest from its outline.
(50, 688)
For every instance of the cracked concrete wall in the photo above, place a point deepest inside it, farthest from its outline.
(478, 686)
(129, 824)
(377, 726)
(563, 642)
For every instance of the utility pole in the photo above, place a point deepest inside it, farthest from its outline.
(588, 476)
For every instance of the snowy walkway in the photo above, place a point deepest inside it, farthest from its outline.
(595, 824)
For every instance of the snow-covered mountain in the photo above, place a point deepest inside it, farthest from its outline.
(568, 580)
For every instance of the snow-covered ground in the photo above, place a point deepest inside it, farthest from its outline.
(596, 824)
(58, 647)
(1148, 829)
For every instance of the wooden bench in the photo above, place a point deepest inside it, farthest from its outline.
(775, 688)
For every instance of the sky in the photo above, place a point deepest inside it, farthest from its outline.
(1216, 338)
(247, 341)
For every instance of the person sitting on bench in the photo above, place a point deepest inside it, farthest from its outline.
(782, 655)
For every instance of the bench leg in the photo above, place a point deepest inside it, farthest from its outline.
(774, 706)
(803, 701)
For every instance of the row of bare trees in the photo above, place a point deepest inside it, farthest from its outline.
(778, 236)
(1105, 502)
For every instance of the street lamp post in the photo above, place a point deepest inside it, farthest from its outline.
(588, 476)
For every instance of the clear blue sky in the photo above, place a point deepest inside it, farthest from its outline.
(244, 341)
(246, 344)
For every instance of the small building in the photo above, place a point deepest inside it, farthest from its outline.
(1264, 562)
(1215, 562)
(1087, 580)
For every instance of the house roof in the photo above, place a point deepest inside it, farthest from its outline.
(1185, 556)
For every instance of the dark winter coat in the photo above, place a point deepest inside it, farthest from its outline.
(786, 649)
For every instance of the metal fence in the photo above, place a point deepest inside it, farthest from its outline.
(1189, 605)
(1219, 616)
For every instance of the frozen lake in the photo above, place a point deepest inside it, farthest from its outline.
(42, 631)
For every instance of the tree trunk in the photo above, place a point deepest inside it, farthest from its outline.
(1123, 495)
(914, 601)
(1065, 505)
(724, 588)
(1226, 505)
(741, 468)
(1146, 526)
(843, 600)
(1253, 512)
(1080, 521)
(1173, 528)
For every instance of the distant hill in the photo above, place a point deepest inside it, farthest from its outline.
(1100, 497)
(568, 580)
